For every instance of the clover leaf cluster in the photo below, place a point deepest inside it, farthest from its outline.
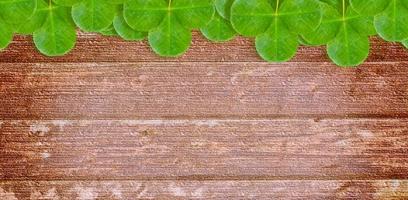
(278, 27)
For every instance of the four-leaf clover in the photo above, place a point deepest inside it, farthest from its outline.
(13, 13)
(219, 29)
(56, 34)
(345, 32)
(168, 22)
(392, 23)
(276, 24)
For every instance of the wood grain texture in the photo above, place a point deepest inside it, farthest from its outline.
(96, 48)
(201, 90)
(204, 149)
(111, 120)
(301, 189)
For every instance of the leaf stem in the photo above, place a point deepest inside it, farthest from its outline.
(344, 8)
(277, 7)
(50, 7)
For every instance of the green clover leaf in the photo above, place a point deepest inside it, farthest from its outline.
(405, 43)
(168, 22)
(254, 17)
(57, 34)
(117, 2)
(251, 17)
(170, 38)
(93, 15)
(125, 31)
(16, 11)
(334, 3)
(6, 35)
(110, 31)
(219, 29)
(276, 24)
(278, 43)
(144, 15)
(66, 2)
(328, 28)
(36, 20)
(350, 47)
(392, 23)
(224, 8)
(369, 7)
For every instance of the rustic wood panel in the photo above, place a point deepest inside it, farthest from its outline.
(292, 149)
(201, 90)
(302, 189)
(111, 120)
(96, 48)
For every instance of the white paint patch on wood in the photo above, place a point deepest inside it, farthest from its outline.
(4, 195)
(39, 129)
(366, 134)
(45, 155)
(198, 144)
(199, 192)
(344, 142)
(392, 189)
(116, 192)
(115, 189)
(40, 143)
(210, 123)
(85, 193)
(61, 123)
(50, 194)
(44, 125)
(395, 184)
(176, 190)
(236, 76)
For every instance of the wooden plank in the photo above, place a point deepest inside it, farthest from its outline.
(96, 48)
(279, 149)
(302, 189)
(201, 90)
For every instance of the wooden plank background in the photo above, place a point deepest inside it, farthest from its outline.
(113, 121)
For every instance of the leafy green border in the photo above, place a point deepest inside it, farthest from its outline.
(279, 27)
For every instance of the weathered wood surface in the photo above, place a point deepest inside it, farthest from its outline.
(204, 149)
(201, 90)
(113, 121)
(298, 189)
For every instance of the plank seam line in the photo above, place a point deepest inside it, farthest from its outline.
(276, 65)
(201, 179)
(316, 118)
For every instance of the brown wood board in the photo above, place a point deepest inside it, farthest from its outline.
(111, 120)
